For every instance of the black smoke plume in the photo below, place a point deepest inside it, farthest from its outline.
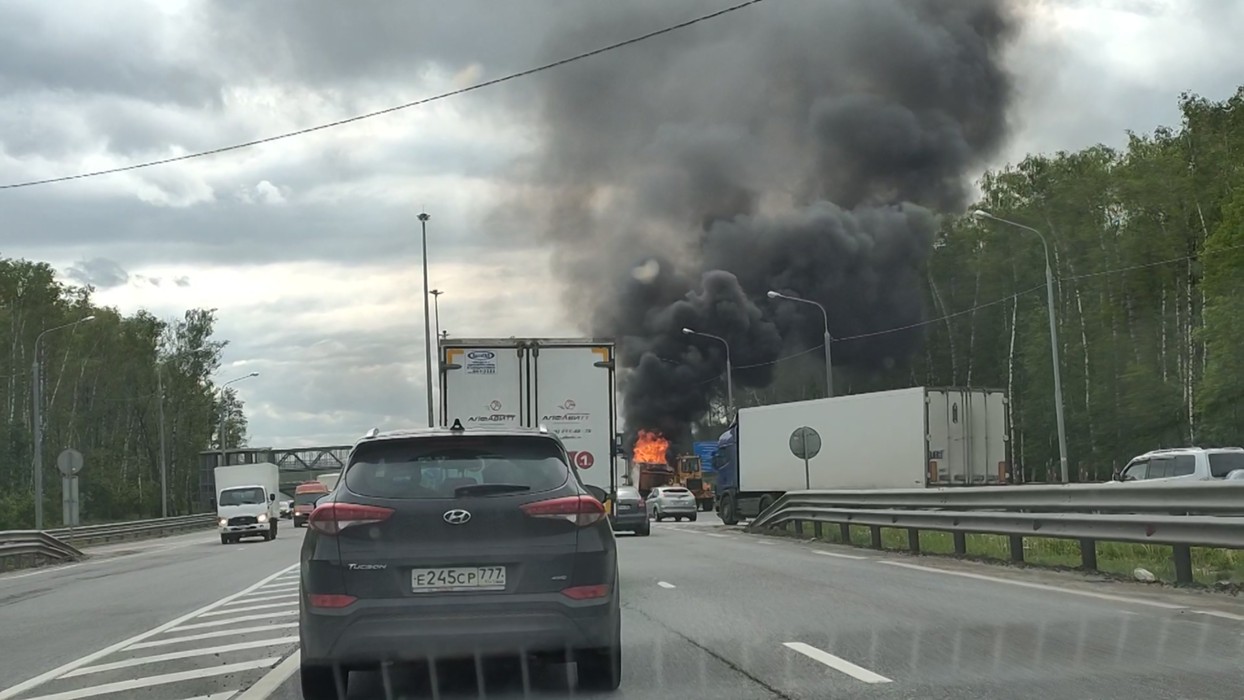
(798, 145)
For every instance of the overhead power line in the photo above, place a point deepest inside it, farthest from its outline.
(389, 110)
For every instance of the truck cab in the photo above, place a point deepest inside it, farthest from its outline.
(247, 511)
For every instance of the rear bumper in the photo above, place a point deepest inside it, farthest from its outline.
(629, 521)
(678, 508)
(407, 630)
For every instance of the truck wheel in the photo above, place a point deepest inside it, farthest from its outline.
(765, 501)
(224, 539)
(729, 510)
(273, 537)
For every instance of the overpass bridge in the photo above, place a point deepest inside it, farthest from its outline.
(297, 464)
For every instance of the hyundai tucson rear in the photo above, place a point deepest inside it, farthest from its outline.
(450, 543)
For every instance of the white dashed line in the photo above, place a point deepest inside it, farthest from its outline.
(837, 663)
(665, 584)
(1219, 613)
(838, 555)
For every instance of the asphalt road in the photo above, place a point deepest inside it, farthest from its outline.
(709, 612)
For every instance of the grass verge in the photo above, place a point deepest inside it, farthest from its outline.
(1210, 567)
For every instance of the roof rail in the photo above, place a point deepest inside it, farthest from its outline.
(372, 433)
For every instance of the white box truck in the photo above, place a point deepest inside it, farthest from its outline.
(563, 384)
(906, 438)
(246, 501)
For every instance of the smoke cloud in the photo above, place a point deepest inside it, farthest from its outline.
(804, 146)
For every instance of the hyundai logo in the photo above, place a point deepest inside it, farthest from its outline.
(456, 516)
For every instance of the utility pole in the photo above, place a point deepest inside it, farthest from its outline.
(427, 317)
(163, 447)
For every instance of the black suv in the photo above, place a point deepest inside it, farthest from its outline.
(447, 543)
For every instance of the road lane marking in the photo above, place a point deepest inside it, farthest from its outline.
(163, 679)
(1219, 613)
(265, 687)
(262, 599)
(230, 621)
(713, 534)
(838, 554)
(57, 672)
(231, 611)
(178, 655)
(1035, 586)
(214, 696)
(837, 663)
(665, 584)
(209, 635)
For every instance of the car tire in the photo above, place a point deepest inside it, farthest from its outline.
(319, 683)
(600, 669)
(692, 517)
(644, 531)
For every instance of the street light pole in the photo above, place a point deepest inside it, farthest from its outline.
(163, 447)
(224, 408)
(729, 373)
(427, 320)
(436, 310)
(829, 363)
(36, 415)
(1049, 302)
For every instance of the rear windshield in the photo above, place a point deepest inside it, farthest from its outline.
(1223, 463)
(248, 496)
(677, 492)
(306, 499)
(456, 467)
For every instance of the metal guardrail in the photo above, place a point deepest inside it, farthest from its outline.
(1181, 516)
(25, 548)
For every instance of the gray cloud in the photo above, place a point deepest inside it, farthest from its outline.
(100, 273)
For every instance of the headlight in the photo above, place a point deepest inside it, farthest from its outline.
(263, 517)
(224, 522)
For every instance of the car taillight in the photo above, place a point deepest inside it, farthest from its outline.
(580, 510)
(586, 592)
(641, 503)
(330, 600)
(332, 518)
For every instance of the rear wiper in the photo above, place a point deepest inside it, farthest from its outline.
(485, 489)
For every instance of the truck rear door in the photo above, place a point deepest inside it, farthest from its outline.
(573, 394)
(483, 385)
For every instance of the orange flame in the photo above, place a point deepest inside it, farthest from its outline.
(650, 448)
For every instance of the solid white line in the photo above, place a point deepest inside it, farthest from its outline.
(713, 534)
(232, 620)
(177, 655)
(77, 663)
(262, 599)
(1219, 613)
(265, 606)
(273, 679)
(837, 554)
(837, 663)
(214, 696)
(49, 569)
(150, 681)
(1036, 586)
(210, 635)
(665, 584)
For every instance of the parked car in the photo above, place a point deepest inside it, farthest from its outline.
(446, 543)
(630, 512)
(1185, 464)
(672, 502)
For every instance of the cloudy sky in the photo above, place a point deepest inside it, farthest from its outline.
(309, 247)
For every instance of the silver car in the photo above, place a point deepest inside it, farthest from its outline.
(672, 502)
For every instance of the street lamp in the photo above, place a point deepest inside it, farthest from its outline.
(1049, 301)
(829, 365)
(436, 308)
(427, 318)
(36, 374)
(729, 379)
(224, 408)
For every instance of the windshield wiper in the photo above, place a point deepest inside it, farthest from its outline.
(486, 489)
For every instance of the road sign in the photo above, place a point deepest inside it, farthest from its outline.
(706, 450)
(70, 462)
(805, 442)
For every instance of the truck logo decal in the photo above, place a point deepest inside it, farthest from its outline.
(494, 406)
(481, 355)
(567, 405)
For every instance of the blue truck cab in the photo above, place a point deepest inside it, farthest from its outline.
(726, 463)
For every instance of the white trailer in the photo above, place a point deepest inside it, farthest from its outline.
(563, 384)
(906, 438)
(246, 501)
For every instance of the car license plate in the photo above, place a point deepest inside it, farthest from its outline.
(466, 578)
(624, 506)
